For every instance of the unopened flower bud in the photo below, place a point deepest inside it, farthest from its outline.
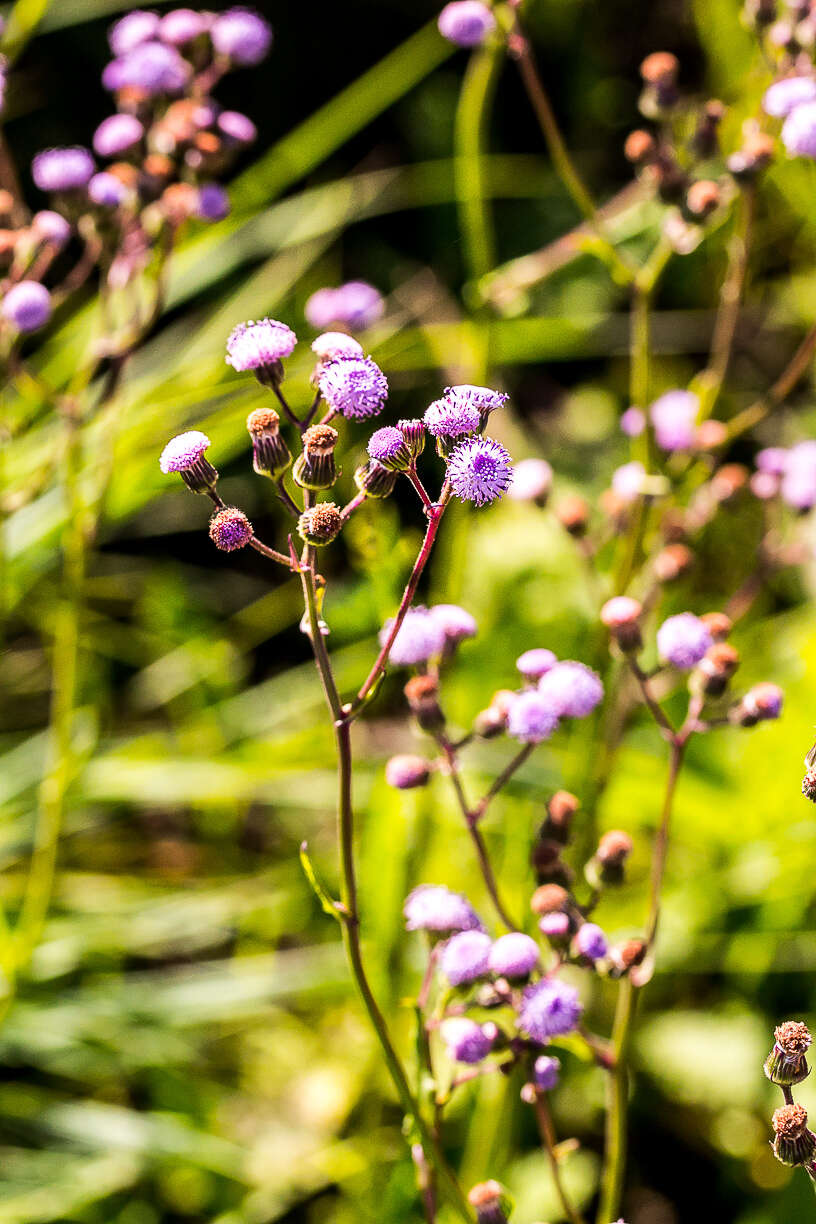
(422, 695)
(710, 434)
(630, 954)
(573, 514)
(786, 1064)
(639, 147)
(321, 524)
(716, 668)
(762, 702)
(672, 562)
(546, 861)
(718, 625)
(389, 447)
(756, 153)
(621, 615)
(607, 864)
(230, 529)
(315, 468)
(561, 808)
(375, 480)
(702, 198)
(705, 142)
(405, 772)
(555, 926)
(492, 721)
(659, 68)
(270, 454)
(490, 1202)
(413, 431)
(549, 899)
(659, 72)
(793, 1143)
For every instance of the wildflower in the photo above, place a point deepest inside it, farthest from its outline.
(793, 1143)
(514, 955)
(591, 942)
(535, 663)
(621, 615)
(465, 1040)
(627, 481)
(151, 68)
(212, 202)
(422, 695)
(491, 1203)
(406, 771)
(773, 460)
(182, 26)
(464, 957)
(320, 524)
(555, 926)
(315, 468)
(479, 470)
(355, 387)
(375, 480)
(62, 169)
(798, 486)
(549, 899)
(799, 131)
(136, 27)
(260, 346)
(331, 345)
(185, 454)
(571, 689)
(484, 398)
(674, 416)
(786, 1064)
(466, 22)
(50, 227)
(762, 702)
(448, 418)
(550, 1008)
(717, 666)
(230, 529)
(242, 36)
(356, 305)
(545, 1072)
(27, 305)
(116, 134)
(107, 190)
(413, 431)
(455, 622)
(532, 481)
(683, 640)
(270, 454)
(531, 719)
(633, 422)
(388, 447)
(420, 638)
(433, 907)
(783, 96)
(238, 129)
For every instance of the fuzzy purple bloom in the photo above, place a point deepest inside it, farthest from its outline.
(591, 942)
(62, 169)
(135, 28)
(674, 417)
(355, 387)
(530, 718)
(241, 35)
(466, 22)
(783, 96)
(464, 957)
(419, 639)
(554, 926)
(117, 134)
(356, 305)
(27, 305)
(256, 345)
(627, 481)
(799, 131)
(683, 640)
(773, 460)
(483, 398)
(535, 663)
(455, 622)
(107, 190)
(545, 1072)
(151, 67)
(49, 226)
(532, 480)
(433, 907)
(182, 26)
(571, 689)
(448, 418)
(633, 422)
(465, 1040)
(331, 345)
(212, 202)
(183, 451)
(237, 127)
(385, 443)
(798, 487)
(230, 529)
(479, 470)
(549, 1009)
(514, 955)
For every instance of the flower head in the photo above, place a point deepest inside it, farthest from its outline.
(230, 529)
(151, 68)
(532, 481)
(550, 1008)
(63, 169)
(183, 25)
(514, 955)
(571, 689)
(799, 131)
(330, 345)
(212, 202)
(107, 190)
(545, 1072)
(683, 640)
(433, 907)
(259, 345)
(242, 36)
(237, 127)
(786, 1064)
(763, 701)
(419, 639)
(535, 663)
(465, 1040)
(464, 957)
(466, 22)
(773, 460)
(484, 398)
(479, 470)
(117, 134)
(531, 719)
(633, 422)
(27, 305)
(455, 622)
(674, 416)
(48, 226)
(798, 486)
(449, 418)
(591, 942)
(783, 96)
(355, 387)
(356, 305)
(406, 771)
(136, 27)
(388, 447)
(627, 481)
(793, 1143)
(182, 451)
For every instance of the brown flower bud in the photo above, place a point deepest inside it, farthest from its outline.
(270, 454)
(717, 667)
(546, 861)
(793, 1143)
(316, 468)
(490, 1202)
(786, 1064)
(632, 953)
(321, 524)
(639, 147)
(659, 68)
(718, 625)
(493, 720)
(573, 514)
(728, 480)
(607, 865)
(702, 198)
(621, 615)
(422, 695)
(705, 137)
(672, 562)
(6, 203)
(549, 899)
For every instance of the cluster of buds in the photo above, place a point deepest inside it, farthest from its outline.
(793, 1142)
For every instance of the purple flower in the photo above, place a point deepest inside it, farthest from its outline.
(137, 27)
(479, 470)
(63, 169)
(674, 416)
(764, 701)
(633, 422)
(117, 134)
(151, 67)
(514, 955)
(466, 22)
(545, 1072)
(571, 689)
(355, 387)
(183, 25)
(48, 226)
(773, 460)
(483, 398)
(183, 451)
(405, 771)
(330, 345)
(259, 345)
(683, 640)
(107, 190)
(355, 304)
(799, 131)
(554, 926)
(419, 639)
(465, 1040)
(464, 957)
(627, 481)
(455, 622)
(530, 718)
(237, 127)
(591, 942)
(781, 97)
(212, 202)
(448, 418)
(27, 305)
(549, 1009)
(532, 480)
(433, 907)
(535, 663)
(386, 444)
(763, 485)
(242, 36)
(230, 529)
(798, 486)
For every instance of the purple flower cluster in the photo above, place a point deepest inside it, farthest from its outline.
(425, 633)
(67, 169)
(27, 306)
(466, 22)
(563, 689)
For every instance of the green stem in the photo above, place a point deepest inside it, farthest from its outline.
(546, 1129)
(470, 137)
(616, 1106)
(725, 325)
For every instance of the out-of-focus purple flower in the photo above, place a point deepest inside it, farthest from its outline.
(259, 345)
(633, 422)
(419, 639)
(535, 663)
(330, 345)
(356, 305)
(230, 529)
(674, 417)
(466, 22)
(798, 486)
(763, 485)
(464, 957)
(532, 480)
(531, 719)
(151, 67)
(433, 907)
(182, 26)
(545, 1072)
(550, 1008)
(627, 481)
(554, 926)
(242, 35)
(799, 131)
(27, 305)
(136, 27)
(781, 97)
(406, 771)
(479, 470)
(484, 398)
(571, 689)
(682, 640)
(183, 451)
(62, 169)
(514, 955)
(212, 202)
(49, 226)
(764, 701)
(237, 127)
(591, 942)
(355, 387)
(455, 622)
(449, 418)
(773, 460)
(465, 1040)
(107, 190)
(117, 134)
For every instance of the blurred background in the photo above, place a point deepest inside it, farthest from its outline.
(187, 1045)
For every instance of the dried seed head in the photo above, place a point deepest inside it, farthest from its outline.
(548, 899)
(321, 524)
(230, 529)
(270, 454)
(316, 468)
(786, 1064)
(793, 1038)
(320, 439)
(793, 1143)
